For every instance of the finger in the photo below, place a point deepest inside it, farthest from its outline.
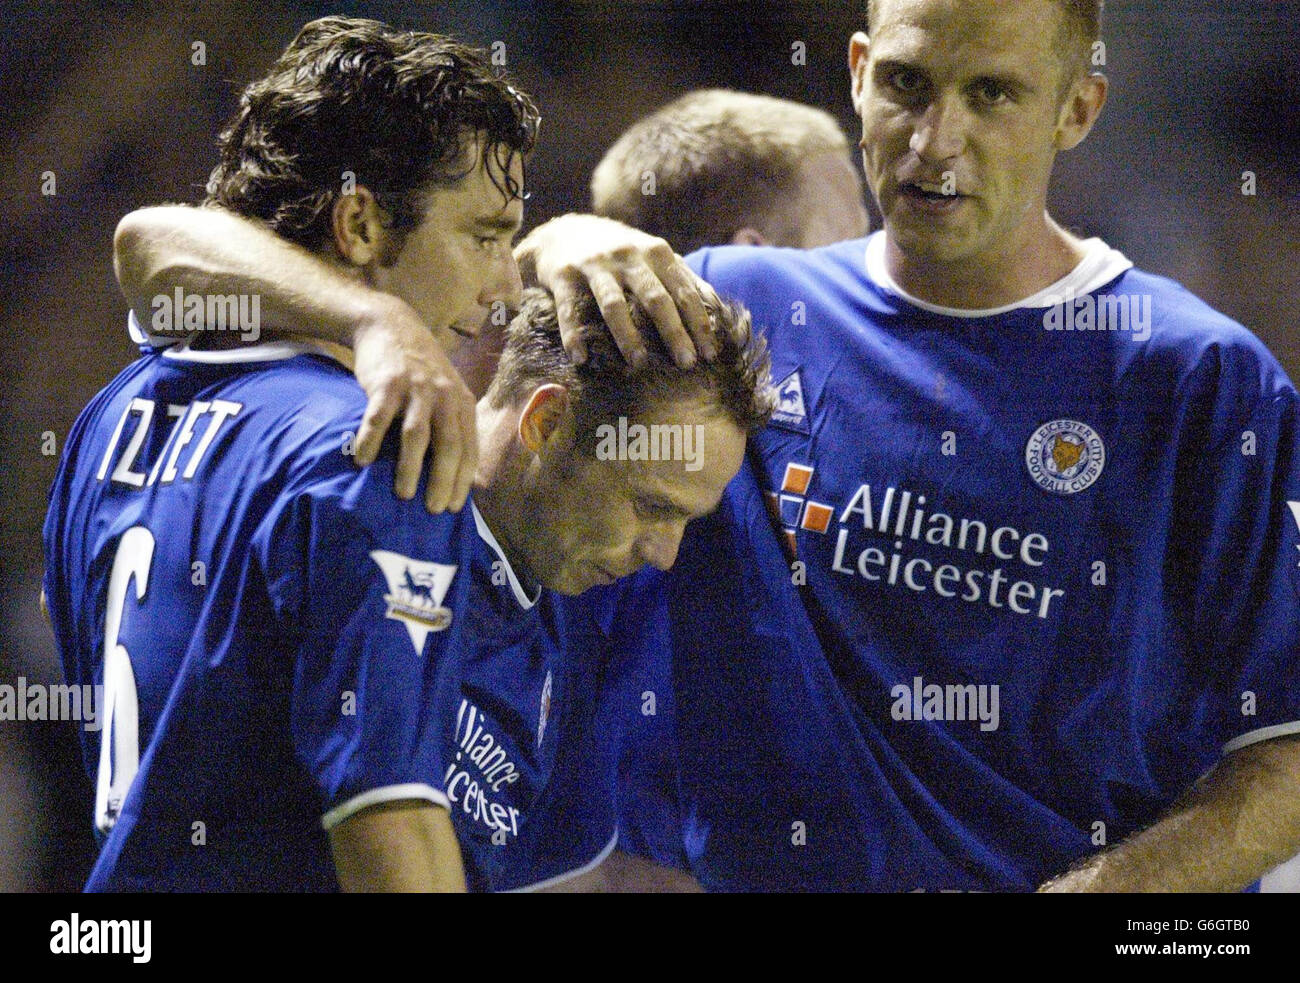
(692, 296)
(415, 442)
(568, 294)
(659, 304)
(381, 409)
(617, 315)
(468, 452)
(449, 446)
(444, 455)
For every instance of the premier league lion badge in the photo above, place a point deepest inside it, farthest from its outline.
(415, 592)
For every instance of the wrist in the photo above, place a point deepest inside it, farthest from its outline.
(378, 311)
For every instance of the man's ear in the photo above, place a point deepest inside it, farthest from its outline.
(357, 223)
(859, 48)
(542, 416)
(748, 236)
(1080, 111)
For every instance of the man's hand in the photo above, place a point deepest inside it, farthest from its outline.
(405, 372)
(575, 253)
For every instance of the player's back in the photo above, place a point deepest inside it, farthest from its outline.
(175, 479)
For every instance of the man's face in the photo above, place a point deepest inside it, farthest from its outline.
(830, 202)
(964, 94)
(593, 521)
(458, 261)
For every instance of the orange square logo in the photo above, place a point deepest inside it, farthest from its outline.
(817, 517)
(797, 479)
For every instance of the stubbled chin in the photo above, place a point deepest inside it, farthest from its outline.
(920, 240)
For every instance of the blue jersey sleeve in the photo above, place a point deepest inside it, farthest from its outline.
(1242, 509)
(359, 576)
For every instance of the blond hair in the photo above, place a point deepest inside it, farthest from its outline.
(712, 162)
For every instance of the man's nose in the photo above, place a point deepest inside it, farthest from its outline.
(940, 133)
(504, 284)
(658, 547)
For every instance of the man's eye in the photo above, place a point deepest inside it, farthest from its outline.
(991, 93)
(649, 510)
(487, 242)
(904, 80)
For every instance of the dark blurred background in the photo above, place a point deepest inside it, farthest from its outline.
(105, 96)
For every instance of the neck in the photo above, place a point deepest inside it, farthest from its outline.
(498, 487)
(1033, 260)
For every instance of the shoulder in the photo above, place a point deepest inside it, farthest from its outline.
(1208, 349)
(740, 270)
(304, 417)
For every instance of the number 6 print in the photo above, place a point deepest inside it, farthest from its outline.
(119, 742)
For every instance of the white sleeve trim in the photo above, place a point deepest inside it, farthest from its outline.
(591, 865)
(1263, 734)
(389, 793)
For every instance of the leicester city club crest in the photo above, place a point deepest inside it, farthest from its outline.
(1065, 456)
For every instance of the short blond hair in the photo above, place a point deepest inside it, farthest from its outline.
(1079, 33)
(710, 163)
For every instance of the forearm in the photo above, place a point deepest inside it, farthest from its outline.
(211, 250)
(399, 846)
(1239, 822)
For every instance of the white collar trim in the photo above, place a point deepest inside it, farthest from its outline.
(179, 348)
(485, 534)
(1099, 266)
(271, 351)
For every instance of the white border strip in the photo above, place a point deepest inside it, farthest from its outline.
(270, 351)
(1100, 265)
(389, 793)
(1263, 734)
(485, 534)
(586, 868)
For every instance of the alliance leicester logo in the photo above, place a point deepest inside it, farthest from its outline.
(1065, 456)
(415, 592)
(791, 508)
(791, 412)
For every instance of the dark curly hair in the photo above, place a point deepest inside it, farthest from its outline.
(397, 109)
(605, 387)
